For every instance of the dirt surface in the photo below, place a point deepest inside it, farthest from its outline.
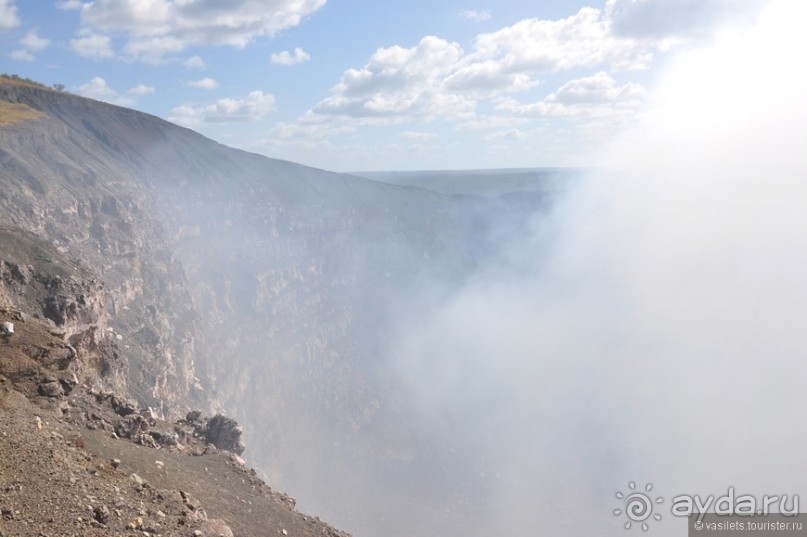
(11, 113)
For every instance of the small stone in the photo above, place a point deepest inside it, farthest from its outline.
(137, 479)
(197, 533)
(51, 389)
(115, 463)
(101, 514)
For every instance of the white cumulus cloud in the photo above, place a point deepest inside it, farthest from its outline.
(438, 78)
(158, 28)
(204, 83)
(70, 4)
(594, 96)
(93, 46)
(584, 39)
(252, 107)
(509, 134)
(487, 78)
(290, 58)
(194, 62)
(589, 57)
(154, 49)
(491, 122)
(596, 89)
(22, 55)
(307, 137)
(141, 89)
(401, 81)
(8, 14)
(98, 88)
(417, 136)
(31, 44)
(34, 43)
(479, 15)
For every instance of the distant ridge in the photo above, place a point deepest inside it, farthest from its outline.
(488, 183)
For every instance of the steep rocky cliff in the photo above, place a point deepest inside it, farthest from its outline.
(63, 182)
(237, 282)
(42, 282)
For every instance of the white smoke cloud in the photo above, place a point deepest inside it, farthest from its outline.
(651, 329)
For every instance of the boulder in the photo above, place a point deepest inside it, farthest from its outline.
(218, 528)
(224, 433)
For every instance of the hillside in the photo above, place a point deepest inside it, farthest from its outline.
(253, 286)
(66, 439)
(64, 469)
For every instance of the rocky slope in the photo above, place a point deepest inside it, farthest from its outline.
(44, 283)
(187, 234)
(81, 458)
(79, 461)
(240, 283)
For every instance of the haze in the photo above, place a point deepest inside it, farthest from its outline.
(646, 330)
(500, 356)
(649, 329)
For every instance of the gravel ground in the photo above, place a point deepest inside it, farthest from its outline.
(65, 472)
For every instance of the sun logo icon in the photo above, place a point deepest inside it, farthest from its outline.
(638, 506)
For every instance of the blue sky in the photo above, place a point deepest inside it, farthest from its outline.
(367, 85)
